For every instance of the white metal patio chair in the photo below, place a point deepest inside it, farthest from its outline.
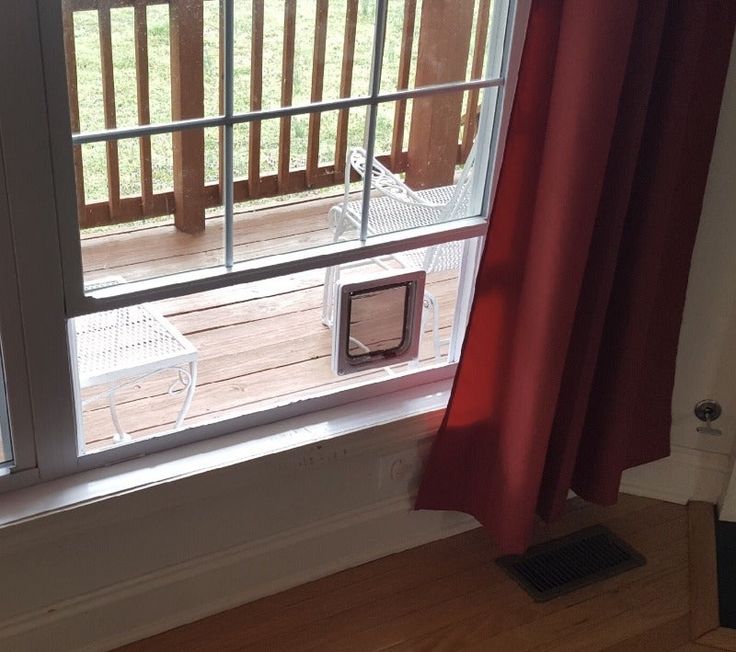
(124, 346)
(396, 207)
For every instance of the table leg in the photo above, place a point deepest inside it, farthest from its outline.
(191, 376)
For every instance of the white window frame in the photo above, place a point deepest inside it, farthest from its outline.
(45, 239)
(14, 398)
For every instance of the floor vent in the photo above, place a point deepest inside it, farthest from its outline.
(726, 555)
(563, 565)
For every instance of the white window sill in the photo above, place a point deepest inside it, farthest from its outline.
(229, 450)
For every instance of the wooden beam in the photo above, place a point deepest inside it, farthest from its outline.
(479, 57)
(287, 94)
(407, 45)
(346, 84)
(131, 208)
(186, 20)
(71, 80)
(444, 45)
(143, 95)
(108, 100)
(318, 78)
(256, 98)
(92, 5)
(704, 615)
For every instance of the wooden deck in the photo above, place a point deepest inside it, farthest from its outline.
(259, 344)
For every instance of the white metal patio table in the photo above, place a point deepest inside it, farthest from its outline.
(124, 346)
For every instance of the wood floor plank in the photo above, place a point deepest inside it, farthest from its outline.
(427, 621)
(234, 380)
(704, 615)
(466, 609)
(317, 600)
(517, 623)
(501, 598)
(449, 595)
(257, 343)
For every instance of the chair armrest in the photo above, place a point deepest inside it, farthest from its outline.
(386, 182)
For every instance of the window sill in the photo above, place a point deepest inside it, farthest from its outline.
(226, 451)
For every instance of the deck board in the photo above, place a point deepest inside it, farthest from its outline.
(149, 252)
(259, 344)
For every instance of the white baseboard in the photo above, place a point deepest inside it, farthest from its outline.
(687, 474)
(147, 605)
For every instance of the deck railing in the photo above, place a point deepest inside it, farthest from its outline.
(191, 194)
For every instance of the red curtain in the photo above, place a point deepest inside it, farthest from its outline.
(568, 365)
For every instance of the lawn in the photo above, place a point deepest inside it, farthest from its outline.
(90, 85)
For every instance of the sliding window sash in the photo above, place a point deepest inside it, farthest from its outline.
(30, 188)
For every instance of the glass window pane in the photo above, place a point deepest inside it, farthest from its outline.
(432, 42)
(6, 450)
(287, 184)
(432, 163)
(377, 319)
(121, 60)
(152, 206)
(174, 226)
(294, 52)
(239, 349)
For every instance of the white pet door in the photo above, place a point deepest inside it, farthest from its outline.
(377, 322)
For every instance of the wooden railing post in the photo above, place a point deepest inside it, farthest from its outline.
(479, 57)
(71, 80)
(287, 96)
(346, 85)
(444, 45)
(186, 26)
(256, 98)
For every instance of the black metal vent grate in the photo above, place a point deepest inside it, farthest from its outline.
(566, 564)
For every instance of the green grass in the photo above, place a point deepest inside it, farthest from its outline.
(90, 86)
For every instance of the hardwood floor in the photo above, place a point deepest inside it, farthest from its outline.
(449, 595)
(258, 344)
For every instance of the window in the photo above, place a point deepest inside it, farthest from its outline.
(208, 179)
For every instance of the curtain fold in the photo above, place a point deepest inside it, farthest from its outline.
(567, 369)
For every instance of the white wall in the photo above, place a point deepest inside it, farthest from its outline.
(113, 571)
(706, 362)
